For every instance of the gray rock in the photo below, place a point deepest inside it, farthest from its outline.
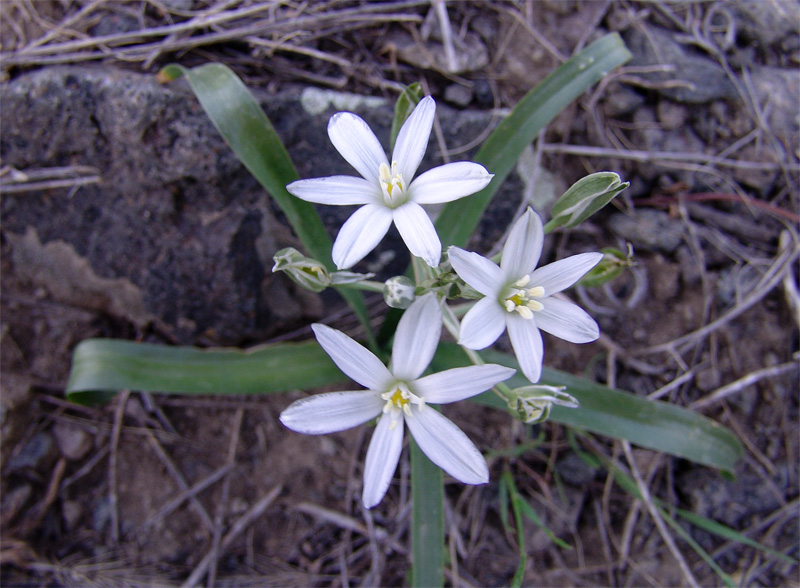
(694, 78)
(73, 442)
(765, 22)
(458, 95)
(648, 229)
(33, 453)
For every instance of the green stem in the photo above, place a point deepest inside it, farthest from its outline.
(427, 522)
(366, 285)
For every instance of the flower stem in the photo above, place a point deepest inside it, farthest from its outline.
(427, 522)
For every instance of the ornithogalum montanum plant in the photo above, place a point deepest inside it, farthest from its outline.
(514, 295)
(388, 191)
(399, 394)
(519, 297)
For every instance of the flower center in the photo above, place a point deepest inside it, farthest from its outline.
(398, 398)
(392, 185)
(522, 300)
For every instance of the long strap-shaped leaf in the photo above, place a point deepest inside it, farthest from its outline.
(501, 150)
(648, 423)
(103, 367)
(250, 134)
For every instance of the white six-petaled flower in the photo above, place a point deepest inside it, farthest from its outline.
(399, 395)
(519, 297)
(388, 191)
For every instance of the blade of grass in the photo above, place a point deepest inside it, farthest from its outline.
(103, 367)
(501, 150)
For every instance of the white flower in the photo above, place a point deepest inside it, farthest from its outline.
(400, 396)
(520, 298)
(386, 189)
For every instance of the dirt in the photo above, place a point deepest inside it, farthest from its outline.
(84, 489)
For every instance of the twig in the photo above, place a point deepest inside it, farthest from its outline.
(771, 278)
(743, 383)
(239, 526)
(660, 525)
(179, 479)
(183, 496)
(222, 505)
(662, 156)
(112, 465)
(790, 290)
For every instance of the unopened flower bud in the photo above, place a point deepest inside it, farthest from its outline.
(309, 273)
(533, 403)
(584, 198)
(612, 265)
(399, 292)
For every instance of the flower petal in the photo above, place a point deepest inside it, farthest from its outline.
(566, 321)
(561, 274)
(523, 247)
(460, 383)
(332, 411)
(416, 338)
(447, 446)
(356, 361)
(418, 232)
(482, 324)
(482, 274)
(353, 138)
(527, 343)
(340, 190)
(449, 182)
(412, 140)
(360, 234)
(382, 457)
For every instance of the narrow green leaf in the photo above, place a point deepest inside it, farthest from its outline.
(651, 424)
(501, 150)
(729, 534)
(242, 123)
(103, 367)
(534, 517)
(427, 520)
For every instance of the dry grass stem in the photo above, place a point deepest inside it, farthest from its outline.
(253, 513)
(744, 382)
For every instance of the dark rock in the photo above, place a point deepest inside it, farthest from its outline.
(483, 92)
(694, 79)
(575, 471)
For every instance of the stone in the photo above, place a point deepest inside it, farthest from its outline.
(648, 229)
(458, 95)
(33, 453)
(73, 442)
(694, 79)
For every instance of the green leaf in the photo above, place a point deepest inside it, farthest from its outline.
(242, 123)
(103, 367)
(501, 150)
(648, 423)
(427, 520)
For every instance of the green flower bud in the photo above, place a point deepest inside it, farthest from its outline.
(584, 198)
(614, 262)
(309, 273)
(399, 292)
(533, 403)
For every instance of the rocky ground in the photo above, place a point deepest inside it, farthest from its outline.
(125, 215)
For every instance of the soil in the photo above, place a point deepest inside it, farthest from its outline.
(98, 495)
